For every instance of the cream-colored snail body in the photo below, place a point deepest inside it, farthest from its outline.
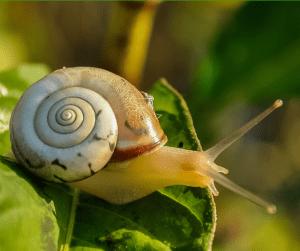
(93, 129)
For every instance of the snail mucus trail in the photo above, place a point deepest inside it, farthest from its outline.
(136, 163)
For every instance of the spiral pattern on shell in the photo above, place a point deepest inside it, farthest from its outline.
(63, 134)
(69, 124)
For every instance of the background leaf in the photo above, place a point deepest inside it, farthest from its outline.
(254, 59)
(174, 218)
(13, 83)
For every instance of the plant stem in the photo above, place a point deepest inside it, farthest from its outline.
(70, 228)
(129, 31)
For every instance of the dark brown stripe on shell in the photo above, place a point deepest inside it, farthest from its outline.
(96, 138)
(90, 167)
(111, 146)
(39, 166)
(61, 179)
(98, 113)
(120, 155)
(56, 162)
(141, 131)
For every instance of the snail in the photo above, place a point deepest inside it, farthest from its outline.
(95, 131)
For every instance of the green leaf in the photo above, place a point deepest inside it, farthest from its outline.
(22, 77)
(27, 217)
(175, 119)
(174, 218)
(253, 60)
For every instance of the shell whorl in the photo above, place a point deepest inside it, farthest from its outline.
(65, 119)
(68, 125)
(67, 134)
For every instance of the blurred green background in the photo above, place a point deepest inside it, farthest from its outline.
(230, 61)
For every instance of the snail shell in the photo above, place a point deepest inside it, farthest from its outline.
(68, 125)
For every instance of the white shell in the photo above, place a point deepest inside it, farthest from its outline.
(59, 152)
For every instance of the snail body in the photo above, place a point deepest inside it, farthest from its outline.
(94, 130)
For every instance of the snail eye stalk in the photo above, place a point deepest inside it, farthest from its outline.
(216, 150)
